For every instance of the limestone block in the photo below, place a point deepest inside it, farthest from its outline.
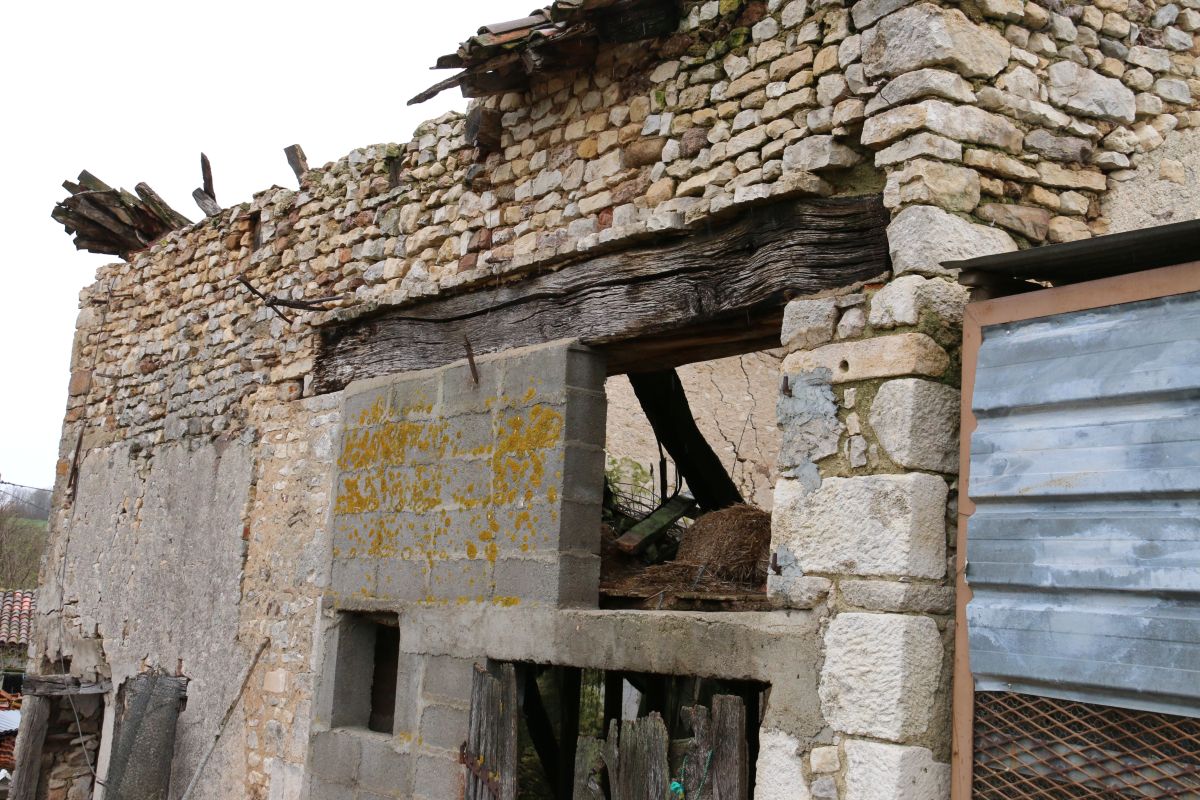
(1089, 93)
(897, 596)
(808, 323)
(880, 675)
(964, 123)
(818, 154)
(779, 769)
(1029, 221)
(903, 300)
(933, 183)
(920, 238)
(876, 771)
(920, 83)
(797, 591)
(928, 36)
(881, 357)
(868, 525)
(1009, 10)
(1025, 109)
(917, 423)
(1059, 148)
(1068, 229)
(866, 12)
(1060, 177)
(920, 144)
(1000, 164)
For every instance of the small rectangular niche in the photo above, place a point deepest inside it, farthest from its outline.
(368, 660)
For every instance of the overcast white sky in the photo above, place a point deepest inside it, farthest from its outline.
(134, 91)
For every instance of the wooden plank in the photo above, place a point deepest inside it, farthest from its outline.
(296, 160)
(490, 755)
(206, 176)
(650, 530)
(730, 769)
(642, 769)
(589, 766)
(207, 204)
(61, 685)
(509, 747)
(569, 691)
(172, 218)
(35, 716)
(728, 274)
(697, 759)
(663, 398)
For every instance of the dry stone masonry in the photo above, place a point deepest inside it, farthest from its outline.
(195, 436)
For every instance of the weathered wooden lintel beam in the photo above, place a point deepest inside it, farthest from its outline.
(704, 294)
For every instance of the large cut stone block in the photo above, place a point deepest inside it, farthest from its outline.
(881, 357)
(808, 322)
(920, 238)
(876, 771)
(962, 123)
(926, 181)
(926, 35)
(917, 423)
(780, 768)
(870, 525)
(1089, 93)
(903, 301)
(880, 674)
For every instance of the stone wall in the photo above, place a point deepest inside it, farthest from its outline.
(202, 468)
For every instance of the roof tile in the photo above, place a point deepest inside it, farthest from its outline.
(16, 617)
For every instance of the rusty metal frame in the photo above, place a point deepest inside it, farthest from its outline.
(1147, 285)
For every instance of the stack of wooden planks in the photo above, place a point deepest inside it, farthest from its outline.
(114, 221)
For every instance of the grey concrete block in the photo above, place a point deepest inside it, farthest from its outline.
(320, 789)
(410, 676)
(384, 771)
(579, 526)
(444, 726)
(468, 482)
(354, 575)
(585, 368)
(364, 408)
(335, 756)
(438, 778)
(470, 435)
(456, 578)
(460, 393)
(415, 397)
(398, 578)
(355, 668)
(586, 417)
(583, 474)
(579, 580)
(447, 677)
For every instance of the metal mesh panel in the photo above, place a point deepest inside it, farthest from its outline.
(1038, 747)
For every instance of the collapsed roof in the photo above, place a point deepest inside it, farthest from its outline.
(565, 35)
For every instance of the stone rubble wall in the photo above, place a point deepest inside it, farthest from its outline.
(988, 126)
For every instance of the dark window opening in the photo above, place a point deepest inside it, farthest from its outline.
(383, 679)
(365, 675)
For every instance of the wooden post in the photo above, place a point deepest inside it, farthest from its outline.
(297, 161)
(589, 764)
(663, 399)
(569, 689)
(35, 716)
(729, 772)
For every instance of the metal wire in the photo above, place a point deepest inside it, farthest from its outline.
(1037, 748)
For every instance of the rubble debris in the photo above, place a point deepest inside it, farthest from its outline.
(114, 221)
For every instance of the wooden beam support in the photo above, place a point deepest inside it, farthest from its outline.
(61, 685)
(732, 278)
(665, 402)
(27, 770)
(207, 204)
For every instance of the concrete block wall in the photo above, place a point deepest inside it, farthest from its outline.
(420, 759)
(455, 491)
(862, 531)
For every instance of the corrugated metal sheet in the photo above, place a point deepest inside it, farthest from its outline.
(1084, 548)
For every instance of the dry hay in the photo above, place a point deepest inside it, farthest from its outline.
(732, 543)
